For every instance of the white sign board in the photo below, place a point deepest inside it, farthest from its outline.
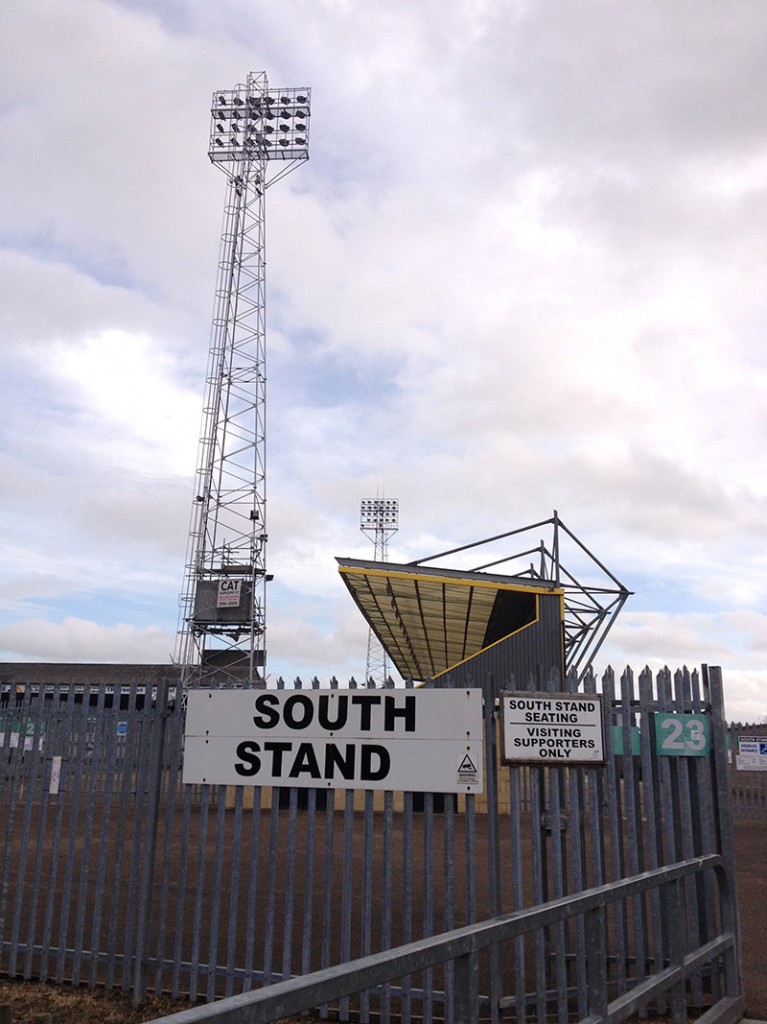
(228, 594)
(752, 754)
(53, 786)
(552, 728)
(425, 741)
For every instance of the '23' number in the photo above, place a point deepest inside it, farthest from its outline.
(682, 734)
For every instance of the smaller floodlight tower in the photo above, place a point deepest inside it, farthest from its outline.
(258, 135)
(379, 520)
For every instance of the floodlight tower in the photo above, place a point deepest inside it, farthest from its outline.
(379, 520)
(258, 135)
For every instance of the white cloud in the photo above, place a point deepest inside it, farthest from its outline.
(75, 640)
(521, 271)
(137, 415)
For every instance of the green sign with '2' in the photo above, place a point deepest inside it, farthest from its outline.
(682, 735)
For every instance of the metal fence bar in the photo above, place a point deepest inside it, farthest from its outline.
(141, 797)
(516, 885)
(111, 757)
(540, 888)
(652, 820)
(90, 780)
(597, 1001)
(36, 881)
(290, 882)
(133, 755)
(197, 937)
(493, 867)
(615, 823)
(690, 838)
(448, 913)
(33, 770)
(366, 944)
(577, 960)
(348, 889)
(169, 873)
(271, 884)
(596, 868)
(83, 754)
(327, 917)
(306, 944)
(723, 818)
(183, 869)
(66, 773)
(148, 842)
(427, 923)
(387, 883)
(407, 902)
(212, 919)
(669, 808)
(559, 946)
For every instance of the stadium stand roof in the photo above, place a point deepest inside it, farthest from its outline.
(430, 619)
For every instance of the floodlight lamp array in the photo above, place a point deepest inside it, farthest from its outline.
(379, 514)
(259, 125)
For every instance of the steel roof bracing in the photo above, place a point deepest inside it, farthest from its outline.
(429, 620)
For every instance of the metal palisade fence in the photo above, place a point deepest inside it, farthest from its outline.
(115, 872)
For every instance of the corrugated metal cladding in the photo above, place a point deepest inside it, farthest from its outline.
(525, 657)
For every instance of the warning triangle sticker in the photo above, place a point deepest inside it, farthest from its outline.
(467, 765)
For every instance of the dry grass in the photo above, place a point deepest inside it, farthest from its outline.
(30, 1001)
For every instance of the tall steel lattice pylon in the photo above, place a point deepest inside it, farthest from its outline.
(379, 520)
(258, 135)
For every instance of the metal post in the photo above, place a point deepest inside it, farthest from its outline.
(724, 823)
(466, 990)
(596, 962)
(146, 893)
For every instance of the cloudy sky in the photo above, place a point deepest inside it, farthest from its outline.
(523, 270)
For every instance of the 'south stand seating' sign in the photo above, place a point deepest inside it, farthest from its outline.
(552, 728)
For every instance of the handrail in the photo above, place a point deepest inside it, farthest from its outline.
(462, 945)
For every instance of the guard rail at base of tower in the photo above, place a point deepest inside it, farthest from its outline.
(463, 945)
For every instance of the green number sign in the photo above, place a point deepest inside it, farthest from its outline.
(682, 735)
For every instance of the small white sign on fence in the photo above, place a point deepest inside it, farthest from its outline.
(422, 741)
(552, 728)
(752, 754)
(55, 781)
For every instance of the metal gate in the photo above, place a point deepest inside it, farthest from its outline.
(114, 873)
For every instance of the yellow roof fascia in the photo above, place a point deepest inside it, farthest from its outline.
(350, 570)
